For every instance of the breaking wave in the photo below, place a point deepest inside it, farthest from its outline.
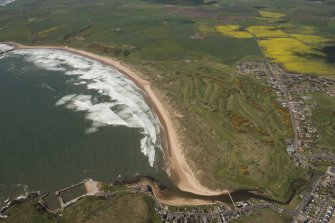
(5, 2)
(123, 102)
(5, 47)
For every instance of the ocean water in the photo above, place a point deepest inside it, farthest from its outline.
(64, 118)
(5, 2)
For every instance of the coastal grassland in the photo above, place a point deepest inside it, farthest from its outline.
(297, 56)
(122, 208)
(30, 212)
(275, 15)
(268, 214)
(233, 31)
(235, 133)
(47, 31)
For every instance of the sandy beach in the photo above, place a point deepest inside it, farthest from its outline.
(180, 171)
(91, 187)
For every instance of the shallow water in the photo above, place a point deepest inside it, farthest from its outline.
(64, 118)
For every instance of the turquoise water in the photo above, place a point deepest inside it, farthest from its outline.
(47, 147)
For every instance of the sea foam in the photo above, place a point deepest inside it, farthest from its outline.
(125, 104)
(5, 47)
(5, 2)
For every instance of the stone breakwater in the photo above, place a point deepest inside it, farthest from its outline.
(19, 200)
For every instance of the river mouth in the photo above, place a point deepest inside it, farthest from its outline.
(171, 195)
(62, 123)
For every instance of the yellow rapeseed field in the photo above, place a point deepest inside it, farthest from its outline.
(266, 31)
(297, 51)
(233, 31)
(274, 15)
(296, 56)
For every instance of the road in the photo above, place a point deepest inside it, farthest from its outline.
(297, 209)
(277, 75)
(283, 89)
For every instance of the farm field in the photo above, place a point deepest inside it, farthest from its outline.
(232, 129)
(233, 31)
(296, 56)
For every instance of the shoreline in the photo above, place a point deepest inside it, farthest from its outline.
(178, 168)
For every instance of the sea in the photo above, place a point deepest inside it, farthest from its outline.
(5, 2)
(65, 118)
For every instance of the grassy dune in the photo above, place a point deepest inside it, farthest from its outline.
(233, 129)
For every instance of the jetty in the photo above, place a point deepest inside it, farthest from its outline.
(59, 195)
(91, 188)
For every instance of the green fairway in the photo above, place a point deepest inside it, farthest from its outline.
(324, 115)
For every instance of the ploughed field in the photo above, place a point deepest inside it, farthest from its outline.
(231, 127)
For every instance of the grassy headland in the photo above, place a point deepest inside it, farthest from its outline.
(122, 208)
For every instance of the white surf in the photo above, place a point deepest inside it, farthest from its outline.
(5, 2)
(126, 105)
